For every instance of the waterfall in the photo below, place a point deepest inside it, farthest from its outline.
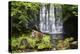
(51, 19)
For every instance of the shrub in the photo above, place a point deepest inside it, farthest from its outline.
(44, 46)
(64, 44)
(14, 43)
(22, 42)
(46, 38)
(41, 46)
(45, 43)
(32, 42)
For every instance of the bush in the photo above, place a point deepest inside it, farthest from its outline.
(14, 43)
(64, 44)
(45, 43)
(27, 42)
(44, 46)
(46, 39)
(32, 42)
(22, 42)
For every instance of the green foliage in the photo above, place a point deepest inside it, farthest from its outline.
(46, 38)
(44, 45)
(69, 10)
(64, 44)
(19, 43)
(22, 42)
(23, 13)
(25, 42)
(14, 43)
(41, 46)
(32, 42)
(45, 42)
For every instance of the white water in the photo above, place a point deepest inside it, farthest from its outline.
(50, 22)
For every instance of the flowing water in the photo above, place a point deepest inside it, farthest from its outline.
(50, 19)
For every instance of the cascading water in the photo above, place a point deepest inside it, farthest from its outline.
(51, 20)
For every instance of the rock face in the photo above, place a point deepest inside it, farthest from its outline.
(37, 34)
(70, 27)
